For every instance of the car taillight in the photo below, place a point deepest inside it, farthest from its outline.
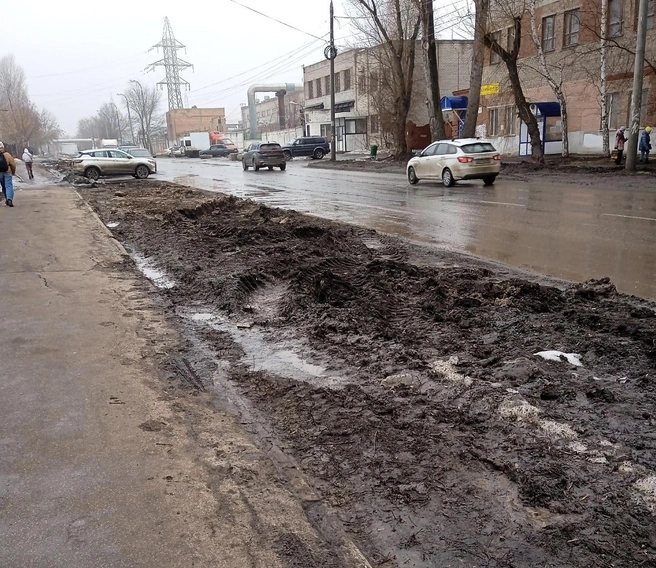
(465, 159)
(497, 157)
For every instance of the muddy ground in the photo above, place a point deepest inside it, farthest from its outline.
(404, 380)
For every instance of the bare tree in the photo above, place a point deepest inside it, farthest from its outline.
(478, 62)
(393, 26)
(144, 103)
(549, 73)
(23, 124)
(436, 119)
(509, 57)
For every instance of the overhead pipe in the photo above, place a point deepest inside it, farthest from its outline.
(280, 89)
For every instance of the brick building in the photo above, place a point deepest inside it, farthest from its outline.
(359, 98)
(569, 32)
(181, 122)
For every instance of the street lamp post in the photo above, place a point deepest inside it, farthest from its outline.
(129, 116)
(118, 122)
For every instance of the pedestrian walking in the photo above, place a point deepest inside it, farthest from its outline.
(645, 145)
(28, 158)
(620, 139)
(7, 170)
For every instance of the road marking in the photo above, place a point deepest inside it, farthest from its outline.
(628, 217)
(489, 202)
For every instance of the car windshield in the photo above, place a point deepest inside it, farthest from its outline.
(140, 153)
(478, 148)
(269, 146)
(227, 141)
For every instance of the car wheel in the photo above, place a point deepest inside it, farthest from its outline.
(412, 176)
(244, 164)
(270, 168)
(283, 167)
(447, 178)
(318, 154)
(256, 166)
(288, 155)
(489, 180)
(92, 173)
(142, 172)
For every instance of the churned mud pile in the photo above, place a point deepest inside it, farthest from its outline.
(426, 419)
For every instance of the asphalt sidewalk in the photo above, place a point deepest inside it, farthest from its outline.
(101, 463)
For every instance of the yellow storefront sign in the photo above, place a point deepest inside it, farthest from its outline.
(491, 89)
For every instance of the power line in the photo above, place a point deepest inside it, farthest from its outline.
(274, 19)
(112, 64)
(284, 56)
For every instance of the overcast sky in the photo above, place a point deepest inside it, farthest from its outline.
(77, 54)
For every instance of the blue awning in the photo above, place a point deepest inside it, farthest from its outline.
(453, 103)
(547, 109)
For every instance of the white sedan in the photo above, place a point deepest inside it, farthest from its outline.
(455, 160)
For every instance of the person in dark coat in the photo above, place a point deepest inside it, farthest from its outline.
(645, 145)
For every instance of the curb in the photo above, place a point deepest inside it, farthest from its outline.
(110, 235)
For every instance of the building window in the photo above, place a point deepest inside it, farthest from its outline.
(374, 124)
(510, 121)
(548, 33)
(347, 79)
(373, 81)
(571, 28)
(326, 131)
(613, 110)
(553, 129)
(326, 81)
(493, 121)
(310, 89)
(362, 81)
(319, 85)
(643, 107)
(510, 39)
(615, 17)
(495, 58)
(338, 82)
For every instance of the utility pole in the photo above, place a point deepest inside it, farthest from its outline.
(636, 95)
(333, 54)
(129, 116)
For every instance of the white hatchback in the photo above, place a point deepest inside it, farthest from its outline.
(455, 160)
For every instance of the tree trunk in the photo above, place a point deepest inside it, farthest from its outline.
(604, 85)
(525, 112)
(478, 62)
(555, 87)
(432, 73)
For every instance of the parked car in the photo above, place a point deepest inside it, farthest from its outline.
(262, 154)
(128, 147)
(175, 152)
(140, 153)
(96, 163)
(315, 146)
(455, 160)
(218, 151)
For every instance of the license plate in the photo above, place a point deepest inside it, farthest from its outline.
(484, 161)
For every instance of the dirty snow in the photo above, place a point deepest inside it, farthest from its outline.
(560, 357)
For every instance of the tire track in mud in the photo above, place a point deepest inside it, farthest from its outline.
(448, 443)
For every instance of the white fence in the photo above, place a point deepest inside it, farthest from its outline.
(282, 136)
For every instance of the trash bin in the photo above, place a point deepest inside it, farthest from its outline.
(373, 152)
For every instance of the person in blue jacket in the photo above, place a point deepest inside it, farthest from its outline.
(645, 145)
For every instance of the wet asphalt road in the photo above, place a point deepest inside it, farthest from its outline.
(559, 230)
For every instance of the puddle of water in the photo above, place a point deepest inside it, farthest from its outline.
(154, 274)
(261, 355)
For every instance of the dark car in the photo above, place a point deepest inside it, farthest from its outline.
(314, 146)
(218, 151)
(262, 154)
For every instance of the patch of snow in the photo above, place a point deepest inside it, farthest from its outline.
(447, 370)
(571, 358)
(557, 430)
(647, 489)
(113, 224)
(578, 447)
(519, 410)
(202, 317)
